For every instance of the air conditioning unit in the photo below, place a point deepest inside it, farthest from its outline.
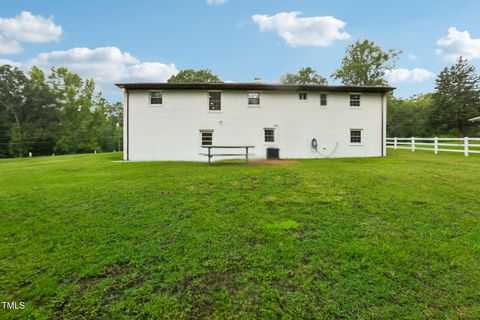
(273, 153)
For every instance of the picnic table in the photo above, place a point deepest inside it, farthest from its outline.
(209, 153)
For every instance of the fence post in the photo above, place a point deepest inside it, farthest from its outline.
(465, 146)
(413, 144)
(435, 145)
(395, 143)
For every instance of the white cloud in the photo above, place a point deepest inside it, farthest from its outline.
(29, 28)
(297, 31)
(458, 43)
(26, 28)
(215, 2)
(412, 56)
(405, 75)
(149, 71)
(10, 62)
(106, 65)
(9, 46)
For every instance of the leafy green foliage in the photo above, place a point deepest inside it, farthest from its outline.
(365, 63)
(84, 236)
(13, 99)
(443, 113)
(190, 75)
(409, 117)
(457, 97)
(305, 75)
(61, 113)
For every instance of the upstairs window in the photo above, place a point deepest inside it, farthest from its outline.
(355, 136)
(323, 99)
(214, 101)
(156, 98)
(207, 138)
(302, 96)
(269, 135)
(354, 100)
(253, 98)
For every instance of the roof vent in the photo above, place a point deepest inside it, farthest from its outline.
(257, 80)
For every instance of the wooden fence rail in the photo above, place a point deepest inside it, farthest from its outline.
(465, 145)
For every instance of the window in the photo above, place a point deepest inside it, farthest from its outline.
(156, 98)
(269, 135)
(207, 138)
(355, 136)
(253, 98)
(323, 99)
(214, 100)
(354, 100)
(302, 96)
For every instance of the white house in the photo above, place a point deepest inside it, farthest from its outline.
(171, 121)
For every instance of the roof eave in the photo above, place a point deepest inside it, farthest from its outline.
(251, 86)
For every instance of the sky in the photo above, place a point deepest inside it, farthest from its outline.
(148, 41)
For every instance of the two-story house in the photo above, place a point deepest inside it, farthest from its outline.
(171, 121)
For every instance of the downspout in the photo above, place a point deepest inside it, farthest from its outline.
(127, 126)
(382, 126)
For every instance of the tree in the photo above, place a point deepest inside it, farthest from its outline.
(61, 113)
(306, 75)
(456, 98)
(107, 121)
(190, 75)
(13, 87)
(76, 104)
(409, 117)
(4, 132)
(365, 63)
(42, 121)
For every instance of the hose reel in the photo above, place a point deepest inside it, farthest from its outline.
(314, 146)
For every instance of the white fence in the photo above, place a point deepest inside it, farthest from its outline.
(465, 145)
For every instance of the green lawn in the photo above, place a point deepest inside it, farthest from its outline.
(389, 238)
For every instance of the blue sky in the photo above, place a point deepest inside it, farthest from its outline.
(121, 41)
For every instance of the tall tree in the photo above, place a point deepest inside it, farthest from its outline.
(76, 103)
(456, 98)
(409, 117)
(13, 98)
(61, 113)
(42, 121)
(365, 63)
(106, 124)
(190, 75)
(4, 132)
(306, 75)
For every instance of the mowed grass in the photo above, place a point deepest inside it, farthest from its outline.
(86, 237)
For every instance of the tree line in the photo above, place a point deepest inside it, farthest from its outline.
(62, 113)
(444, 112)
(56, 114)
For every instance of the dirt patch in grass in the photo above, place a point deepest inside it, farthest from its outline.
(112, 271)
(284, 162)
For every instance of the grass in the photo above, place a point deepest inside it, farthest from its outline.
(394, 238)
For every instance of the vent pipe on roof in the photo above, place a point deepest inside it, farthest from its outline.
(257, 80)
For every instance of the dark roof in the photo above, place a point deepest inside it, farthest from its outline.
(249, 86)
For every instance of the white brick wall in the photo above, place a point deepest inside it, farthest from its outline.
(172, 131)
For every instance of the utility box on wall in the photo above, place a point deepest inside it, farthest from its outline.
(273, 153)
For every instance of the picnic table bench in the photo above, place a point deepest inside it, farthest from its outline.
(209, 153)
